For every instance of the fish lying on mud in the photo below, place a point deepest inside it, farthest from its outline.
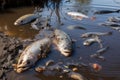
(93, 34)
(32, 54)
(77, 15)
(63, 42)
(106, 11)
(90, 41)
(26, 19)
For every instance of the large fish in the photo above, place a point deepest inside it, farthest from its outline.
(77, 15)
(106, 11)
(63, 42)
(93, 34)
(32, 54)
(26, 19)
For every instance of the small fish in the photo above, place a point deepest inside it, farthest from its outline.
(93, 34)
(89, 41)
(26, 19)
(77, 15)
(99, 53)
(106, 11)
(114, 19)
(110, 24)
(63, 42)
(32, 54)
(76, 27)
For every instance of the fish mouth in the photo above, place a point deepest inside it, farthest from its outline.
(15, 23)
(66, 53)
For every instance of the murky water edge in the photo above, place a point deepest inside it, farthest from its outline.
(110, 67)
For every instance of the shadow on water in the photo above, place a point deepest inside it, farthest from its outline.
(53, 9)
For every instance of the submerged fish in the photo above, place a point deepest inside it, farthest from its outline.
(63, 42)
(89, 41)
(76, 27)
(26, 19)
(32, 53)
(106, 11)
(93, 34)
(77, 15)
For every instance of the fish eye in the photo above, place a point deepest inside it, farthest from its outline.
(21, 21)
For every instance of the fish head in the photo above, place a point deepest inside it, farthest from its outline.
(66, 51)
(23, 65)
(20, 21)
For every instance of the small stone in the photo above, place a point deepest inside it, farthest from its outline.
(49, 63)
(75, 69)
(40, 69)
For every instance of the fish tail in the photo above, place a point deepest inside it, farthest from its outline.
(118, 11)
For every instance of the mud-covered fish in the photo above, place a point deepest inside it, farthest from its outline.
(93, 34)
(77, 15)
(63, 42)
(90, 41)
(26, 19)
(106, 11)
(32, 54)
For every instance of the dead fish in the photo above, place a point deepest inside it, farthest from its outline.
(99, 53)
(89, 41)
(106, 11)
(76, 76)
(76, 27)
(93, 34)
(32, 53)
(110, 24)
(26, 19)
(114, 19)
(77, 15)
(63, 42)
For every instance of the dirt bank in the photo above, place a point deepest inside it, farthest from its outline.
(9, 48)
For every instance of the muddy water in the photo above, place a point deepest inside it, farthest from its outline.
(111, 65)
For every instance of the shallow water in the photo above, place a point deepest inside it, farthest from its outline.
(110, 67)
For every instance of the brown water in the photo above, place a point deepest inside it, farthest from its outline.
(110, 67)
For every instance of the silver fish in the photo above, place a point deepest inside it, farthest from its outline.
(63, 42)
(32, 54)
(114, 19)
(71, 27)
(26, 19)
(77, 15)
(106, 11)
(89, 41)
(93, 34)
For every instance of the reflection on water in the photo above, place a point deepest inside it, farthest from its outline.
(53, 8)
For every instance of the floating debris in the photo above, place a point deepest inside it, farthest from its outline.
(63, 42)
(75, 27)
(96, 66)
(106, 11)
(32, 53)
(77, 15)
